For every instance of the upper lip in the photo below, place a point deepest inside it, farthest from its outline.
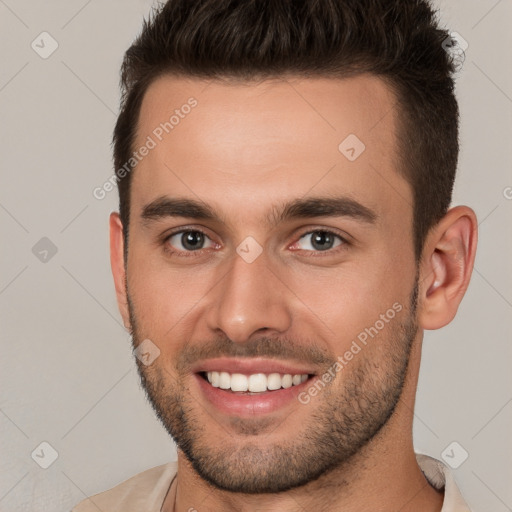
(250, 365)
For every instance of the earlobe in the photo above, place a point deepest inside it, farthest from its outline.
(447, 264)
(117, 264)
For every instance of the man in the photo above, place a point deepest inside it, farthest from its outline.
(284, 239)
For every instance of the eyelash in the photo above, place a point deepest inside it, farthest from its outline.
(187, 254)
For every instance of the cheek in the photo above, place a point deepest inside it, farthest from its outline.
(163, 297)
(350, 300)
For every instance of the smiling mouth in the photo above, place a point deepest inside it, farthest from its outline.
(255, 383)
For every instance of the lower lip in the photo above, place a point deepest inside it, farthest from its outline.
(241, 404)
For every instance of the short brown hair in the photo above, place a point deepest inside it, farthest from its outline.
(397, 40)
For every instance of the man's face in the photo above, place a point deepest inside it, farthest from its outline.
(325, 288)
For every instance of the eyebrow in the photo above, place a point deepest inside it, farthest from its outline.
(301, 208)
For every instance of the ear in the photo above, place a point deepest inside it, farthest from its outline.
(118, 267)
(446, 266)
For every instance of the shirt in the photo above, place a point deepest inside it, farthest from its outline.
(146, 491)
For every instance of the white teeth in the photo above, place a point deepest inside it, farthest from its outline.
(239, 382)
(287, 380)
(255, 383)
(274, 381)
(214, 379)
(297, 379)
(224, 380)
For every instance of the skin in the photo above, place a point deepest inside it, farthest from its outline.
(244, 150)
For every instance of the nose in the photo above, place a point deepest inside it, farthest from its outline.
(249, 299)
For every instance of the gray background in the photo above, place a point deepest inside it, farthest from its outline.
(67, 372)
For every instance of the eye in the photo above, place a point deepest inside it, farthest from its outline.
(319, 240)
(188, 241)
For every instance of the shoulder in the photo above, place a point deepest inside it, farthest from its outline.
(439, 476)
(146, 489)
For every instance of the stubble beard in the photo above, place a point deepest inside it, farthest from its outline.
(342, 423)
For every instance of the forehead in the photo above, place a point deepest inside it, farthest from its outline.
(259, 141)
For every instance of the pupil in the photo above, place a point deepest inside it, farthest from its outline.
(192, 240)
(322, 240)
